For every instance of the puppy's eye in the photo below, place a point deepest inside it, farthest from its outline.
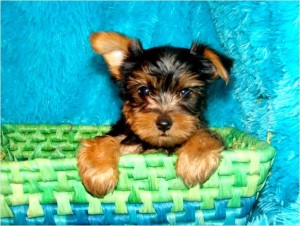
(144, 91)
(185, 92)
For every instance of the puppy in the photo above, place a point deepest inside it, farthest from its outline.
(163, 90)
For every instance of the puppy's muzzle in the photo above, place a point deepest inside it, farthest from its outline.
(164, 123)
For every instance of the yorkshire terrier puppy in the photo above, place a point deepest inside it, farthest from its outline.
(163, 90)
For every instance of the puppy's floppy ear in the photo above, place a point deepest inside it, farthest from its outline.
(115, 48)
(222, 64)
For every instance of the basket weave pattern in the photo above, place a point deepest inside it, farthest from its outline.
(40, 182)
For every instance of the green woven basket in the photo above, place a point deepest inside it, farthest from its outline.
(40, 182)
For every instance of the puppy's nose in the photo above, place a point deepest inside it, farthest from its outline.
(164, 123)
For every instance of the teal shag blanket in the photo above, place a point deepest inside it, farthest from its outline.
(51, 75)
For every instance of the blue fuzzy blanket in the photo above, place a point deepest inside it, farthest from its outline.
(51, 75)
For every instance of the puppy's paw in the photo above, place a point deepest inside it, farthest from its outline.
(199, 157)
(97, 162)
(195, 169)
(100, 181)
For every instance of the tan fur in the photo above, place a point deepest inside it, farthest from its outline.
(143, 124)
(130, 149)
(220, 70)
(198, 157)
(113, 47)
(189, 80)
(97, 161)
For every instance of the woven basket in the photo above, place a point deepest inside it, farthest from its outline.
(40, 182)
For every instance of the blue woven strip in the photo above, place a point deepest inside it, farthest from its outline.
(163, 215)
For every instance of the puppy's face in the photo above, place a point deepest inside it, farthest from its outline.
(163, 88)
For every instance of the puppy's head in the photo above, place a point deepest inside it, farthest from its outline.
(163, 87)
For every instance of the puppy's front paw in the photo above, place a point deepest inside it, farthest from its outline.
(97, 162)
(199, 157)
(195, 169)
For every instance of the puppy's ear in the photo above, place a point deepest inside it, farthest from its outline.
(222, 64)
(115, 48)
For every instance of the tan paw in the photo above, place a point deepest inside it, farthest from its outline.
(97, 162)
(196, 169)
(99, 183)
